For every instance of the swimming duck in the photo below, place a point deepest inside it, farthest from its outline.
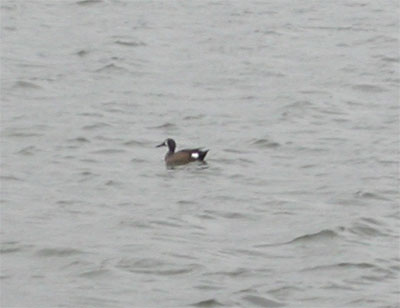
(183, 156)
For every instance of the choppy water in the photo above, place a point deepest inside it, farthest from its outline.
(297, 102)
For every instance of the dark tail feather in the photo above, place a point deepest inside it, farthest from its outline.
(202, 154)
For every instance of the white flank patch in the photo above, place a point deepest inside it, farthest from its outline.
(195, 155)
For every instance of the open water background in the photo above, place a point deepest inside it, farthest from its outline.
(298, 102)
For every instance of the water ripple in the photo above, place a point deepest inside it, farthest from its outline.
(135, 143)
(322, 235)
(58, 252)
(88, 2)
(342, 265)
(111, 68)
(27, 85)
(369, 88)
(96, 126)
(165, 126)
(109, 151)
(129, 43)
(12, 247)
(265, 143)
(260, 301)
(155, 267)
(369, 195)
(10, 178)
(208, 303)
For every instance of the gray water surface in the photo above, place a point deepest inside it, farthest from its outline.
(297, 205)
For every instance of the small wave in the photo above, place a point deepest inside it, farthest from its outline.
(79, 140)
(28, 151)
(11, 247)
(108, 138)
(249, 98)
(340, 28)
(321, 235)
(314, 91)
(206, 216)
(138, 160)
(265, 143)
(235, 273)
(387, 162)
(269, 31)
(91, 114)
(356, 265)
(26, 85)
(381, 39)
(301, 105)
(10, 28)
(82, 52)
(58, 252)
(208, 303)
(88, 2)
(111, 68)
(339, 286)
(141, 263)
(245, 161)
(194, 117)
(94, 273)
(283, 291)
(165, 223)
(233, 150)
(108, 151)
(369, 88)
(365, 230)
(115, 110)
(135, 143)
(234, 215)
(22, 134)
(168, 272)
(67, 202)
(166, 125)
(343, 265)
(88, 160)
(262, 301)
(11, 7)
(87, 174)
(95, 126)
(113, 183)
(186, 202)
(130, 44)
(389, 59)
(370, 195)
(308, 166)
(371, 221)
(152, 266)
(90, 301)
(246, 252)
(9, 178)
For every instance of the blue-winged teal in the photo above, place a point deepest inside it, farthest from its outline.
(183, 156)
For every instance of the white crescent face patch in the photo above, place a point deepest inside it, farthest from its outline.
(195, 155)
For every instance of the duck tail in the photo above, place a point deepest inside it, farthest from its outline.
(202, 154)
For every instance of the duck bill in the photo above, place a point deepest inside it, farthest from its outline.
(161, 145)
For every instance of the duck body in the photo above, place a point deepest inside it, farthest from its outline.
(181, 157)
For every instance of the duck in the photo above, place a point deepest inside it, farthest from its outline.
(181, 157)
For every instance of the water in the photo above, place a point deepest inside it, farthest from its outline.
(298, 104)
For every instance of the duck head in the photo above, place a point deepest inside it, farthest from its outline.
(170, 143)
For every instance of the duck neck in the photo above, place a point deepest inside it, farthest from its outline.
(171, 150)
